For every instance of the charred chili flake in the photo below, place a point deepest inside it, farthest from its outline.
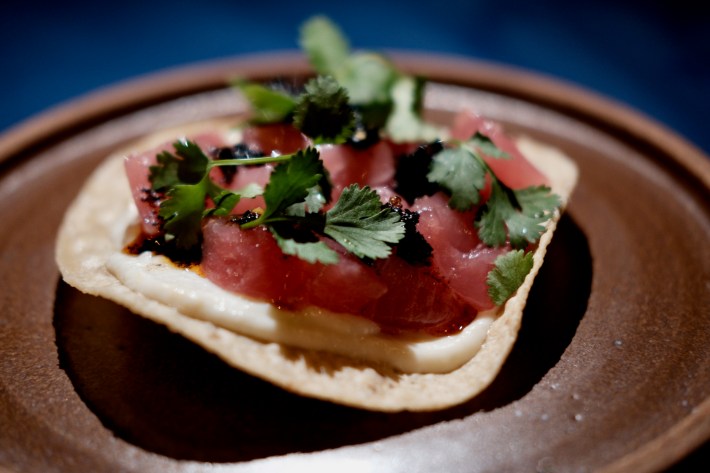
(246, 217)
(413, 248)
(412, 169)
(363, 135)
(159, 245)
(238, 151)
(150, 195)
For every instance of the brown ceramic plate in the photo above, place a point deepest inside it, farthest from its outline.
(611, 371)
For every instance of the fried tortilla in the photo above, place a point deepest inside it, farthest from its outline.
(95, 228)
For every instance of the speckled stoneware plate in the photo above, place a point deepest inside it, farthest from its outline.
(611, 371)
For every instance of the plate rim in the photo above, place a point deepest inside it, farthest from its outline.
(551, 92)
(76, 114)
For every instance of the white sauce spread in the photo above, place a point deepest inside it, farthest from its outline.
(313, 328)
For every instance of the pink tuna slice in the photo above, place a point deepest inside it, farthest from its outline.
(393, 293)
(275, 139)
(249, 262)
(516, 172)
(459, 256)
(137, 165)
(417, 299)
(373, 166)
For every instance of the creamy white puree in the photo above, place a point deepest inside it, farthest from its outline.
(313, 328)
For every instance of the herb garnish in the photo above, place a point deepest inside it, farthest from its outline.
(523, 212)
(514, 214)
(355, 93)
(508, 274)
(323, 111)
(368, 77)
(294, 197)
(267, 105)
(350, 84)
(289, 184)
(183, 177)
(360, 223)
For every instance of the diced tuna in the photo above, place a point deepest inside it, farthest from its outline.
(275, 139)
(458, 254)
(440, 297)
(250, 262)
(137, 165)
(373, 166)
(516, 172)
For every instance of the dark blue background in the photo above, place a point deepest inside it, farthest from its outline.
(653, 55)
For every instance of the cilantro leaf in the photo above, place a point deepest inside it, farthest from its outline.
(192, 164)
(187, 166)
(185, 206)
(508, 274)
(312, 251)
(324, 44)
(183, 177)
(457, 170)
(224, 201)
(491, 220)
(522, 212)
(182, 213)
(359, 223)
(289, 184)
(405, 122)
(485, 145)
(368, 78)
(323, 111)
(267, 105)
(536, 203)
(165, 173)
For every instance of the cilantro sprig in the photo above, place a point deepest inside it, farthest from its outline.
(322, 112)
(367, 76)
(361, 224)
(385, 98)
(517, 215)
(521, 212)
(183, 177)
(514, 215)
(289, 184)
(297, 190)
(357, 221)
(354, 92)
